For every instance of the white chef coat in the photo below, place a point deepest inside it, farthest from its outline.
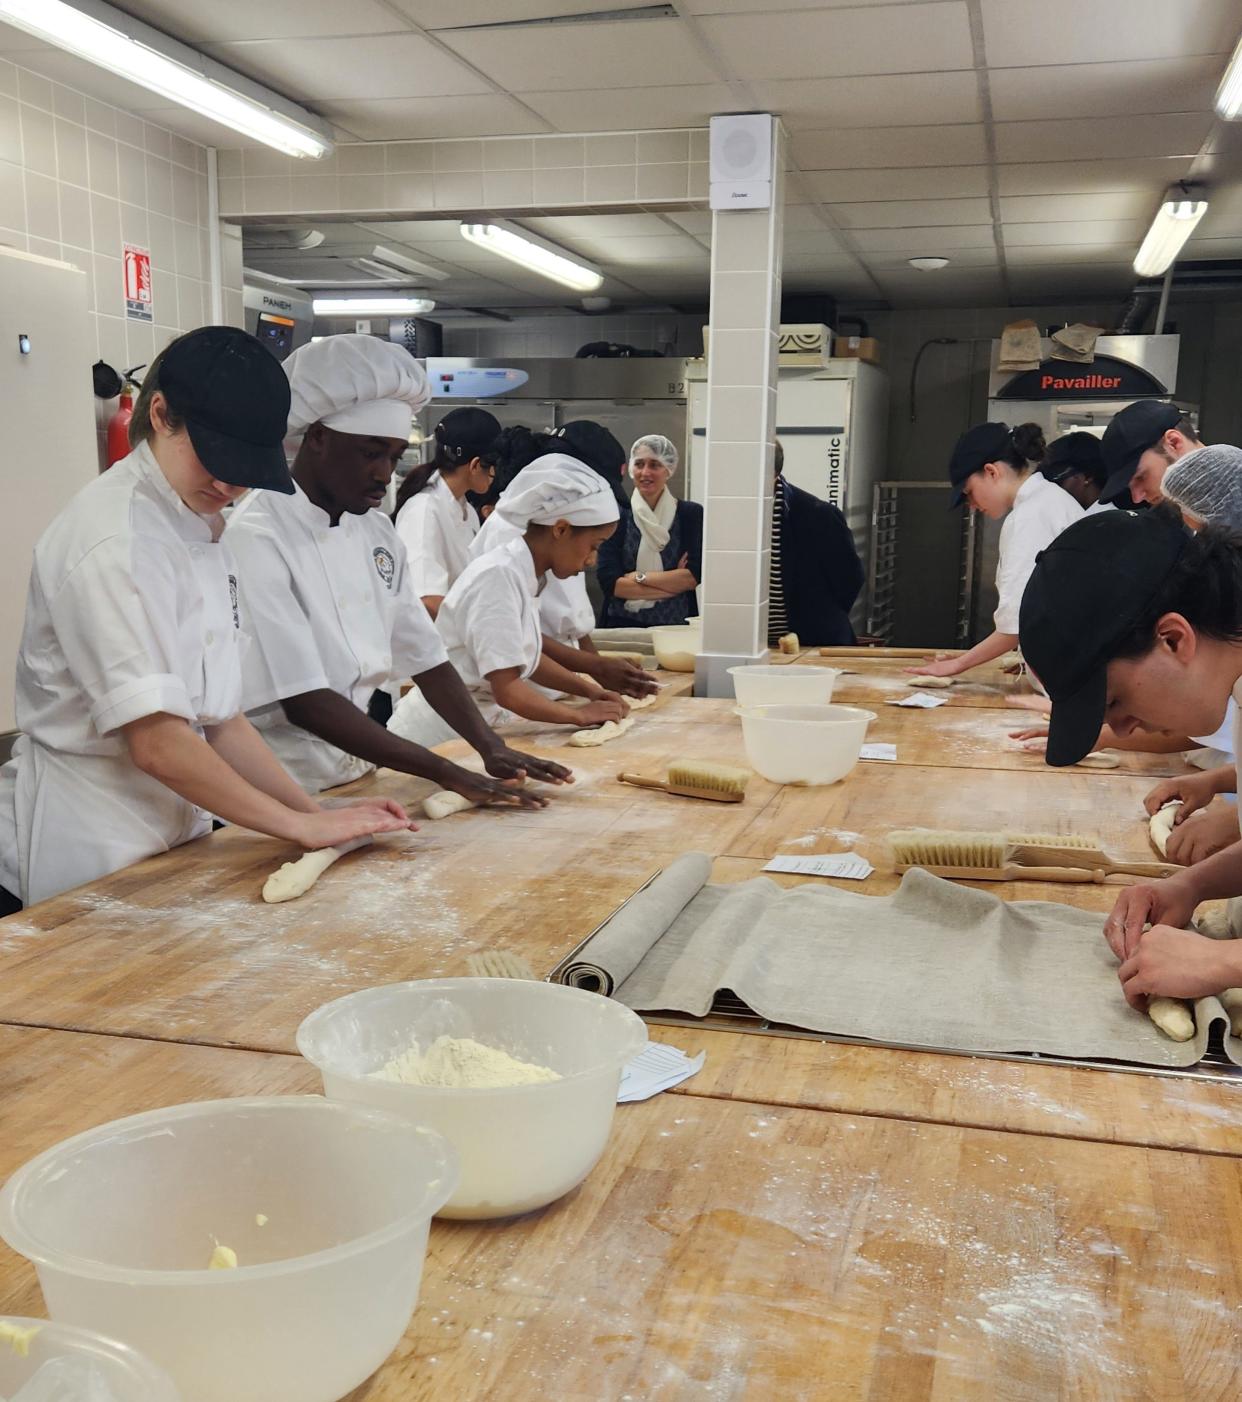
(564, 604)
(328, 608)
(131, 612)
(489, 622)
(437, 531)
(1041, 511)
(1098, 508)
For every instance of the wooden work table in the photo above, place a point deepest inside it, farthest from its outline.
(767, 1252)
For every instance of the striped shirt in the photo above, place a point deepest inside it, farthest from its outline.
(778, 618)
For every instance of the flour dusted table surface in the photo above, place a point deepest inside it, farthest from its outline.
(751, 1252)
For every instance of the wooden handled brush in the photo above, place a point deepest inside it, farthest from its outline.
(689, 779)
(977, 856)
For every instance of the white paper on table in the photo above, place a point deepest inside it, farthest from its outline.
(886, 752)
(924, 700)
(657, 1067)
(848, 865)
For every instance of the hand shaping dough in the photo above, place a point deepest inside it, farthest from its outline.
(1161, 826)
(936, 683)
(600, 734)
(294, 879)
(1099, 759)
(1172, 1017)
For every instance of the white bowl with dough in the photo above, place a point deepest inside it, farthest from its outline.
(121, 1223)
(521, 1146)
(77, 1360)
(677, 647)
(804, 744)
(774, 685)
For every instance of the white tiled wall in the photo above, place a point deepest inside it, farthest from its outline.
(79, 178)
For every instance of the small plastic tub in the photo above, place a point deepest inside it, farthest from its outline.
(804, 744)
(86, 1365)
(677, 647)
(766, 685)
(521, 1147)
(121, 1222)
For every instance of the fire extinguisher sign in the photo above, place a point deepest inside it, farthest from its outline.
(136, 275)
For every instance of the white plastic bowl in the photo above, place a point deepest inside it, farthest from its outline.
(127, 1376)
(677, 647)
(120, 1223)
(804, 744)
(521, 1147)
(767, 685)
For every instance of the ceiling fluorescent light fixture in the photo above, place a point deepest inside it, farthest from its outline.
(139, 54)
(372, 306)
(1228, 101)
(1175, 221)
(534, 255)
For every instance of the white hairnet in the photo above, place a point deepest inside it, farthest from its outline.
(555, 488)
(655, 445)
(1208, 484)
(355, 384)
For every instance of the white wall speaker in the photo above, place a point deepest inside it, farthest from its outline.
(741, 161)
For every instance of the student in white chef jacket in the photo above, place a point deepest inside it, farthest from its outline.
(995, 470)
(434, 519)
(565, 610)
(327, 595)
(560, 511)
(129, 676)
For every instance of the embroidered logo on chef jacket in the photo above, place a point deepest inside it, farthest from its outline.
(386, 565)
(233, 601)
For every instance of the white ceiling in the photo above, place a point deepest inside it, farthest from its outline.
(1027, 140)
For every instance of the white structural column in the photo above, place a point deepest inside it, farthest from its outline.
(742, 359)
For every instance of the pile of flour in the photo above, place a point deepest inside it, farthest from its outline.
(461, 1062)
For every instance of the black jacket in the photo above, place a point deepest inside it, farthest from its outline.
(618, 555)
(820, 570)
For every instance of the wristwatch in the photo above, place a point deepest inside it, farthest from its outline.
(640, 576)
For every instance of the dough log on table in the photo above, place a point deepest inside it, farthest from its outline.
(1099, 759)
(600, 734)
(641, 703)
(294, 879)
(936, 683)
(444, 802)
(1160, 829)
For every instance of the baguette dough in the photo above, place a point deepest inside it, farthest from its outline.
(294, 879)
(1172, 1017)
(1161, 826)
(936, 683)
(642, 702)
(635, 659)
(600, 734)
(1099, 759)
(445, 802)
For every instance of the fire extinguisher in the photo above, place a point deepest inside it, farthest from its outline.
(118, 424)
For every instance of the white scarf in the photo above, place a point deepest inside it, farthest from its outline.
(655, 528)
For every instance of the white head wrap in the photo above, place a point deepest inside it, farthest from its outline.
(655, 445)
(355, 384)
(555, 488)
(1208, 484)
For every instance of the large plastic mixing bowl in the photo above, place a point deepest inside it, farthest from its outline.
(677, 646)
(121, 1222)
(804, 744)
(120, 1374)
(773, 684)
(523, 1146)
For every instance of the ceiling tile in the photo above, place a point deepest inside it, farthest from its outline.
(1042, 254)
(224, 20)
(1213, 248)
(1019, 33)
(435, 14)
(825, 42)
(898, 260)
(897, 183)
(408, 118)
(943, 289)
(600, 226)
(630, 109)
(1072, 177)
(623, 251)
(1171, 134)
(927, 240)
(1110, 231)
(1104, 89)
(1054, 209)
(899, 214)
(844, 149)
(763, 7)
(367, 67)
(821, 242)
(611, 54)
(1093, 279)
(871, 101)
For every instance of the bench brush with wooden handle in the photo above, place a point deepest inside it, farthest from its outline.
(690, 779)
(981, 856)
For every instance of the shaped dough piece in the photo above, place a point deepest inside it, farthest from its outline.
(1161, 826)
(1099, 759)
(443, 803)
(1172, 1017)
(789, 643)
(600, 734)
(642, 702)
(294, 879)
(936, 683)
(1231, 1001)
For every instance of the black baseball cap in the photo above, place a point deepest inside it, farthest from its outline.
(1071, 453)
(1138, 427)
(982, 444)
(1088, 590)
(592, 444)
(234, 397)
(467, 433)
